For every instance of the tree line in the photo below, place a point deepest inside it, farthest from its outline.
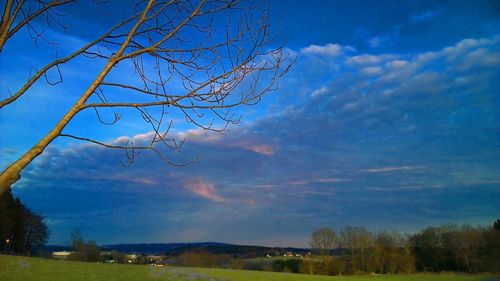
(355, 250)
(351, 250)
(82, 251)
(22, 230)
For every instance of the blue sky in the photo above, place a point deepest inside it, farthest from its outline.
(389, 119)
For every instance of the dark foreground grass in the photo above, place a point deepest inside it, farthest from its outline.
(26, 269)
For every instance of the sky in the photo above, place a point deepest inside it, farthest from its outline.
(388, 119)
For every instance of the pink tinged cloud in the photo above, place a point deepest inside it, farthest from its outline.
(262, 149)
(202, 136)
(265, 186)
(204, 189)
(250, 202)
(133, 179)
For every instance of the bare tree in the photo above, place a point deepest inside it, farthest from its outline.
(324, 240)
(390, 243)
(169, 42)
(357, 240)
(467, 243)
(19, 14)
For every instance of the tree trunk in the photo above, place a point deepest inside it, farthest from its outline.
(13, 173)
(5, 24)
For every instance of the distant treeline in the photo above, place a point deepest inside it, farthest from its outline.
(355, 250)
(83, 251)
(21, 229)
(234, 251)
(351, 250)
(442, 248)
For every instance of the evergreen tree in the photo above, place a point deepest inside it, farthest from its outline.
(20, 228)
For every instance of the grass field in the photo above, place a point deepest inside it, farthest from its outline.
(26, 269)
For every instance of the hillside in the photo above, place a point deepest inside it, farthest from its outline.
(175, 249)
(15, 268)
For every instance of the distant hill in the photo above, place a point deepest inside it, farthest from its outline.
(53, 248)
(240, 251)
(156, 248)
(175, 249)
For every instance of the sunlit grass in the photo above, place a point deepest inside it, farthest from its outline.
(27, 269)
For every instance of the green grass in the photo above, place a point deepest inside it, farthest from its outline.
(27, 269)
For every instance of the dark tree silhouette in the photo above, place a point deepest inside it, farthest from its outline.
(496, 225)
(36, 232)
(21, 230)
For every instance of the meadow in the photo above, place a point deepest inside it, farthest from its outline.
(16, 268)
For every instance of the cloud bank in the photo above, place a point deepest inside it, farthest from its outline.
(392, 140)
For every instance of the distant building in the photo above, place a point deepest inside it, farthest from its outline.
(61, 254)
(131, 258)
(154, 259)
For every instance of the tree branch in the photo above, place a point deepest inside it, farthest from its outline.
(29, 18)
(57, 62)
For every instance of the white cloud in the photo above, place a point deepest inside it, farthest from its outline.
(371, 70)
(396, 63)
(364, 59)
(319, 92)
(304, 182)
(480, 58)
(120, 140)
(200, 135)
(390, 169)
(426, 57)
(290, 52)
(330, 49)
(139, 138)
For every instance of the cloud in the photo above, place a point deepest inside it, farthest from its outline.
(396, 63)
(365, 59)
(262, 149)
(371, 70)
(199, 135)
(265, 186)
(314, 181)
(132, 179)
(330, 49)
(319, 92)
(419, 132)
(330, 180)
(204, 189)
(256, 145)
(390, 169)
